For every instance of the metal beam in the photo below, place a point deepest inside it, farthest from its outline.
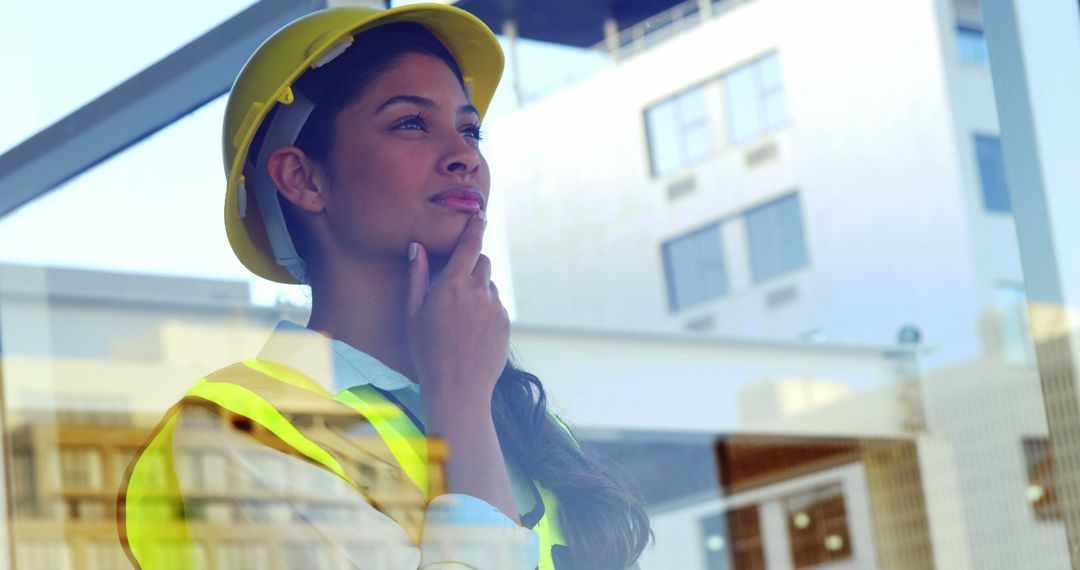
(1034, 47)
(185, 80)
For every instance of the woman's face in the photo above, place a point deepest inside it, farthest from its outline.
(406, 165)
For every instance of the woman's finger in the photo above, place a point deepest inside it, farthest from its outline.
(418, 279)
(467, 251)
(482, 271)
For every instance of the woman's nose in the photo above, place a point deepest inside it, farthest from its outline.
(461, 157)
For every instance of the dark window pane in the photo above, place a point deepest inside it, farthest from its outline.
(744, 532)
(694, 265)
(971, 45)
(995, 191)
(716, 543)
(775, 233)
(733, 541)
(818, 527)
(1041, 491)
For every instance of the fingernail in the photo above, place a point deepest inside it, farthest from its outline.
(482, 215)
(412, 250)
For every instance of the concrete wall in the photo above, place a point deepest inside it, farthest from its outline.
(679, 382)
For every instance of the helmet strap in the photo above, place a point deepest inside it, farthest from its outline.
(283, 129)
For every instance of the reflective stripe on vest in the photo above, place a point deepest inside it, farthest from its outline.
(149, 507)
(257, 390)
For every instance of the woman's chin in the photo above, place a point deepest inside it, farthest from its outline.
(441, 244)
(438, 256)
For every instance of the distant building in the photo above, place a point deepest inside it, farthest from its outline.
(77, 410)
(770, 169)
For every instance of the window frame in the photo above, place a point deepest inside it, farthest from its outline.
(721, 113)
(761, 93)
(153, 99)
(685, 160)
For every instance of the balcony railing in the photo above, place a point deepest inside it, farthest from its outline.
(665, 25)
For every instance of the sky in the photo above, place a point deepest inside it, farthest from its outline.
(156, 208)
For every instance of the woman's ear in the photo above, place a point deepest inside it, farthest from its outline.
(298, 178)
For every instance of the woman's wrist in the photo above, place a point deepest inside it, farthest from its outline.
(475, 464)
(448, 417)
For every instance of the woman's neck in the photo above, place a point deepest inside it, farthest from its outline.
(364, 306)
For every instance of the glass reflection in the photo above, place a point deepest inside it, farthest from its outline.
(777, 286)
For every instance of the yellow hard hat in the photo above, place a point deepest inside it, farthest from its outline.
(253, 219)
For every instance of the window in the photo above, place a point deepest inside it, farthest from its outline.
(971, 45)
(41, 554)
(80, 467)
(105, 555)
(88, 509)
(268, 471)
(371, 554)
(991, 161)
(694, 265)
(311, 555)
(755, 98)
(244, 555)
(121, 459)
(203, 469)
(818, 527)
(775, 234)
(678, 130)
(1010, 306)
(1041, 491)
(733, 540)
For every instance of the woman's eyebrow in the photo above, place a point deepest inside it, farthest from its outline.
(414, 99)
(422, 102)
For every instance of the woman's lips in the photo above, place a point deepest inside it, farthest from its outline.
(462, 200)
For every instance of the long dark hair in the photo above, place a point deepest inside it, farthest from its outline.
(603, 519)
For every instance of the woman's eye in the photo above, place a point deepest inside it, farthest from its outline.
(414, 123)
(472, 131)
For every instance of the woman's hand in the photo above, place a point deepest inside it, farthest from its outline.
(458, 330)
(459, 339)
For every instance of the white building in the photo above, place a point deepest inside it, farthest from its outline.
(783, 170)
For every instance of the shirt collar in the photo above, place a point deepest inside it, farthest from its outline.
(334, 364)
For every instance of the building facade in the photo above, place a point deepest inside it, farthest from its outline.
(766, 173)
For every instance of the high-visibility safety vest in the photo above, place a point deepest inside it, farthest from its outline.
(259, 397)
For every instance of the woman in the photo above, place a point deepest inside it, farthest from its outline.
(352, 145)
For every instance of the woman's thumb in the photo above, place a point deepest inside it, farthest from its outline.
(418, 279)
